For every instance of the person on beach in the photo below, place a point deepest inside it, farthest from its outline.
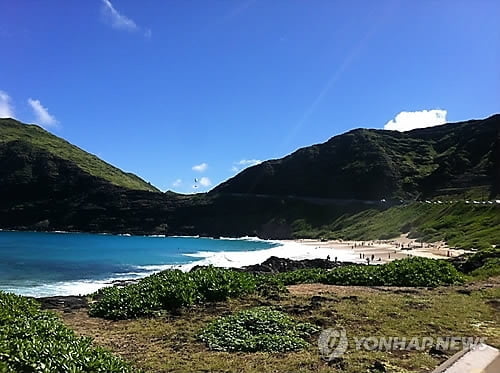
(328, 258)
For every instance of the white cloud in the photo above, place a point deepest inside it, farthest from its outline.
(408, 120)
(177, 183)
(244, 163)
(117, 20)
(42, 114)
(6, 109)
(205, 181)
(120, 21)
(202, 167)
(249, 162)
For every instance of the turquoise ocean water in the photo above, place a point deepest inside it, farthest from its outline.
(45, 264)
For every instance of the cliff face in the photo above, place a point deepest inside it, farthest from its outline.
(376, 164)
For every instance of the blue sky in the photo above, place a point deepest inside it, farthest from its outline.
(184, 89)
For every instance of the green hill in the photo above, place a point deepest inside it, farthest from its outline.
(37, 138)
(330, 190)
(366, 164)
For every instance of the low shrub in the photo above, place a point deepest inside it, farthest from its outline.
(270, 286)
(302, 276)
(170, 290)
(257, 329)
(32, 340)
(413, 271)
(217, 284)
(479, 259)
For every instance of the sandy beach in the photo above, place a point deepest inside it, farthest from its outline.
(383, 251)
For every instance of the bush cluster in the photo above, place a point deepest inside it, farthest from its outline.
(413, 271)
(302, 276)
(32, 340)
(170, 290)
(257, 329)
(479, 259)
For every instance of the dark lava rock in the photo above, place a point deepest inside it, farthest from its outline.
(65, 303)
(338, 363)
(437, 351)
(277, 265)
(378, 366)
(495, 303)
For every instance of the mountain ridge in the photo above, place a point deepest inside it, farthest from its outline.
(44, 192)
(396, 164)
(13, 130)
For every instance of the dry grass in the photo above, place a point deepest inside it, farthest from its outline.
(169, 344)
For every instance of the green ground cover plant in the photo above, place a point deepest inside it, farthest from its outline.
(257, 329)
(413, 271)
(32, 340)
(172, 290)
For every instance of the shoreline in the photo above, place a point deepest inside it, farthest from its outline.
(378, 252)
(399, 247)
(387, 250)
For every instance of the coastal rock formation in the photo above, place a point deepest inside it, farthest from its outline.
(277, 265)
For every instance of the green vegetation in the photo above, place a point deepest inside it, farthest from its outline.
(170, 343)
(367, 164)
(461, 225)
(12, 130)
(481, 265)
(413, 271)
(479, 259)
(36, 341)
(490, 268)
(302, 276)
(257, 329)
(170, 290)
(338, 194)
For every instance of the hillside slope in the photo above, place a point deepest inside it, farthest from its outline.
(44, 189)
(16, 133)
(365, 164)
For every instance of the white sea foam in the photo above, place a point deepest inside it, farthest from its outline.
(244, 238)
(226, 259)
(80, 287)
(76, 287)
(284, 249)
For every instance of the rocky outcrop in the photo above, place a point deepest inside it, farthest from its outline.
(277, 265)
